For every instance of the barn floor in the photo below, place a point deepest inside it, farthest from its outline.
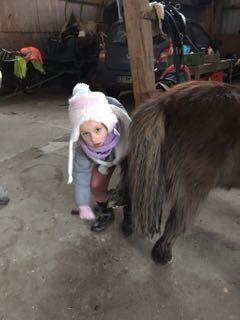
(52, 267)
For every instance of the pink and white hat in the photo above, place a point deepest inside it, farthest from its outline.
(85, 105)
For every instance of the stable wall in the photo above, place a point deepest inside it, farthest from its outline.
(24, 22)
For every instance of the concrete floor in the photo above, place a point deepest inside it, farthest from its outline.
(52, 267)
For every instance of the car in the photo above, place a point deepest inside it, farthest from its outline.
(113, 74)
(113, 67)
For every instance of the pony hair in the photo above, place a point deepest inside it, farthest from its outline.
(182, 144)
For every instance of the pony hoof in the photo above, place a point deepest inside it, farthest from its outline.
(161, 257)
(126, 229)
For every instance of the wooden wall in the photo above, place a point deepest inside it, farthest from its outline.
(30, 22)
(221, 19)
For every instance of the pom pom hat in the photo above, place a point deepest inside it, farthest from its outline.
(85, 105)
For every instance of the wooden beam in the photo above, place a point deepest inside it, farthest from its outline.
(218, 13)
(209, 18)
(140, 49)
(232, 7)
(88, 3)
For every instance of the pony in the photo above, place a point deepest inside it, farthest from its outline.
(182, 144)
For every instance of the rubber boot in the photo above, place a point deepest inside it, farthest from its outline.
(105, 216)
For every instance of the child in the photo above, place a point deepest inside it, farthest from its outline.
(100, 131)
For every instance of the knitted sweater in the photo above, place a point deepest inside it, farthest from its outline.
(82, 165)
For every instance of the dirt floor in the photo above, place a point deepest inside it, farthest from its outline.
(53, 267)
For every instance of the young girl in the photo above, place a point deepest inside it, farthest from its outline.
(100, 131)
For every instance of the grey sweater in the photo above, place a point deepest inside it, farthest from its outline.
(82, 166)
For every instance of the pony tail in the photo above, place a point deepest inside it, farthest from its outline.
(147, 184)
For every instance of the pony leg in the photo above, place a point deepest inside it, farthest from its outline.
(127, 226)
(162, 250)
(183, 212)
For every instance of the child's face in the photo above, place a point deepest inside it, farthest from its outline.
(93, 133)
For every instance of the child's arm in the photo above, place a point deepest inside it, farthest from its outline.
(82, 170)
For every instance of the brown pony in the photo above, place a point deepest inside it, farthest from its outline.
(182, 144)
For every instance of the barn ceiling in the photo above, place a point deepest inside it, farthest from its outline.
(91, 2)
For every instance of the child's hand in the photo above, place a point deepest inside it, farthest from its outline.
(86, 213)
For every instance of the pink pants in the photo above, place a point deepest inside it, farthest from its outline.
(99, 184)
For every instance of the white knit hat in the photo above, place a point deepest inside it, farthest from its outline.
(85, 105)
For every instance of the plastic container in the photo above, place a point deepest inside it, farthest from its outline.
(191, 59)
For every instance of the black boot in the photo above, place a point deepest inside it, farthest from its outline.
(105, 216)
(127, 226)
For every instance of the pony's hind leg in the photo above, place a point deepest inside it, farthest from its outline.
(127, 226)
(162, 250)
(181, 215)
(185, 197)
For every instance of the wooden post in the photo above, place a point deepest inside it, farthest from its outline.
(140, 49)
(209, 18)
(218, 16)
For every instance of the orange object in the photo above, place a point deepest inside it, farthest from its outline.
(165, 53)
(31, 53)
(217, 76)
(214, 76)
